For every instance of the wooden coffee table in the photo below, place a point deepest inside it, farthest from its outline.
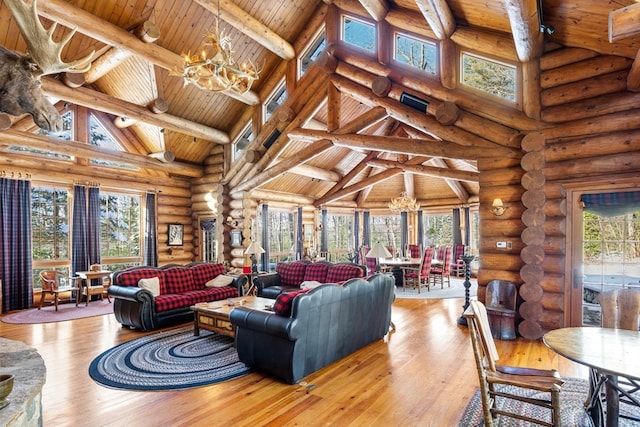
(214, 316)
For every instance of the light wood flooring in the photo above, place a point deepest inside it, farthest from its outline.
(422, 374)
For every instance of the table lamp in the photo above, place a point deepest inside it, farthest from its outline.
(378, 251)
(253, 250)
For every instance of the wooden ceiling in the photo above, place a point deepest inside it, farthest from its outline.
(127, 78)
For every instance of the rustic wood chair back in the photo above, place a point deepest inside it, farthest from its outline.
(51, 281)
(414, 251)
(493, 376)
(416, 277)
(501, 294)
(620, 308)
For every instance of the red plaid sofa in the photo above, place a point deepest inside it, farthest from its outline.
(290, 275)
(181, 286)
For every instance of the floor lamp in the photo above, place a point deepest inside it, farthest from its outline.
(253, 250)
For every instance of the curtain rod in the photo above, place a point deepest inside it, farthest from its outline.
(13, 174)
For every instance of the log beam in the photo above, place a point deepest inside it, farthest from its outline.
(439, 172)
(439, 16)
(377, 9)
(372, 180)
(523, 16)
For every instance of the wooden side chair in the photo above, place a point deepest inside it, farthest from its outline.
(53, 284)
(441, 273)
(500, 300)
(493, 376)
(458, 266)
(414, 251)
(417, 277)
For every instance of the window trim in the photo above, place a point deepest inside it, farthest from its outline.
(486, 95)
(365, 21)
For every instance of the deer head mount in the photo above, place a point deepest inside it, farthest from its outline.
(20, 89)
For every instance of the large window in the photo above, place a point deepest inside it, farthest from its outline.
(102, 138)
(359, 33)
(66, 134)
(386, 230)
(492, 77)
(339, 236)
(281, 236)
(120, 229)
(438, 230)
(311, 53)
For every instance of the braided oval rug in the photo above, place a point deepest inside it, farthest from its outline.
(168, 360)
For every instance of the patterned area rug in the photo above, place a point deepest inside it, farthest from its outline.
(572, 399)
(67, 311)
(455, 291)
(168, 360)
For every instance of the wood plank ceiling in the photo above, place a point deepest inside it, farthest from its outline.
(202, 119)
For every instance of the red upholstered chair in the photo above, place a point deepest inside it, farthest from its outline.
(441, 272)
(416, 277)
(414, 251)
(457, 266)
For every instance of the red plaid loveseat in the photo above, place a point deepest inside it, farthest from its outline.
(290, 275)
(180, 287)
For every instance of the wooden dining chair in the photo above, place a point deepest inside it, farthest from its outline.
(414, 251)
(417, 277)
(53, 284)
(441, 272)
(457, 266)
(493, 377)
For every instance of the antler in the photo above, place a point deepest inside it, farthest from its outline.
(43, 50)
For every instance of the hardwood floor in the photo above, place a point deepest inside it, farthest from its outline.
(423, 374)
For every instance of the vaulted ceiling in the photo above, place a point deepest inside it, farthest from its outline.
(127, 75)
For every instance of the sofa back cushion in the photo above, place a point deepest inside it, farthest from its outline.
(340, 272)
(202, 273)
(291, 273)
(133, 276)
(316, 272)
(177, 280)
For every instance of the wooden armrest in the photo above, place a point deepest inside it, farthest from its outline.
(535, 381)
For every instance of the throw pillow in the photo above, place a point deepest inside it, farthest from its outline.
(219, 281)
(310, 284)
(282, 306)
(152, 285)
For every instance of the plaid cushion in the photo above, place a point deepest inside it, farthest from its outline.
(341, 272)
(212, 294)
(131, 278)
(282, 306)
(317, 272)
(202, 273)
(291, 273)
(178, 280)
(171, 301)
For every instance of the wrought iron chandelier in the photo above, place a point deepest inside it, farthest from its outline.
(214, 68)
(404, 203)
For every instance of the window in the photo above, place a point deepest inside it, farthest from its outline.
(311, 53)
(208, 239)
(438, 230)
(339, 236)
(489, 76)
(386, 230)
(100, 137)
(49, 230)
(242, 141)
(281, 236)
(416, 53)
(359, 33)
(275, 100)
(66, 134)
(120, 230)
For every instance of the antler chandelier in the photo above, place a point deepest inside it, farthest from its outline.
(214, 67)
(404, 203)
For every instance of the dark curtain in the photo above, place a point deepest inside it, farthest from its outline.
(612, 204)
(79, 250)
(264, 258)
(404, 232)
(457, 232)
(15, 244)
(324, 246)
(150, 232)
(420, 241)
(366, 229)
(93, 226)
(356, 236)
(467, 228)
(299, 235)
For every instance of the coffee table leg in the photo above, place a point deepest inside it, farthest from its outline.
(196, 325)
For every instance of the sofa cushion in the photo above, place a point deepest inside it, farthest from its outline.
(291, 273)
(219, 281)
(316, 272)
(340, 272)
(172, 301)
(178, 280)
(132, 278)
(152, 285)
(282, 306)
(202, 273)
(212, 294)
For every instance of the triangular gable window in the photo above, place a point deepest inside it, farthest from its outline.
(101, 137)
(66, 134)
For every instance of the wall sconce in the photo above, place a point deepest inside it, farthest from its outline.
(498, 208)
(232, 222)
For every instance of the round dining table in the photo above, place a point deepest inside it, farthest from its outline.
(610, 353)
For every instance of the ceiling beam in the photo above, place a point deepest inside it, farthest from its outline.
(439, 16)
(372, 180)
(455, 186)
(112, 105)
(108, 33)
(376, 8)
(624, 23)
(248, 25)
(523, 17)
(439, 172)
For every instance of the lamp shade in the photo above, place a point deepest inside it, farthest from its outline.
(378, 251)
(254, 249)
(497, 203)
